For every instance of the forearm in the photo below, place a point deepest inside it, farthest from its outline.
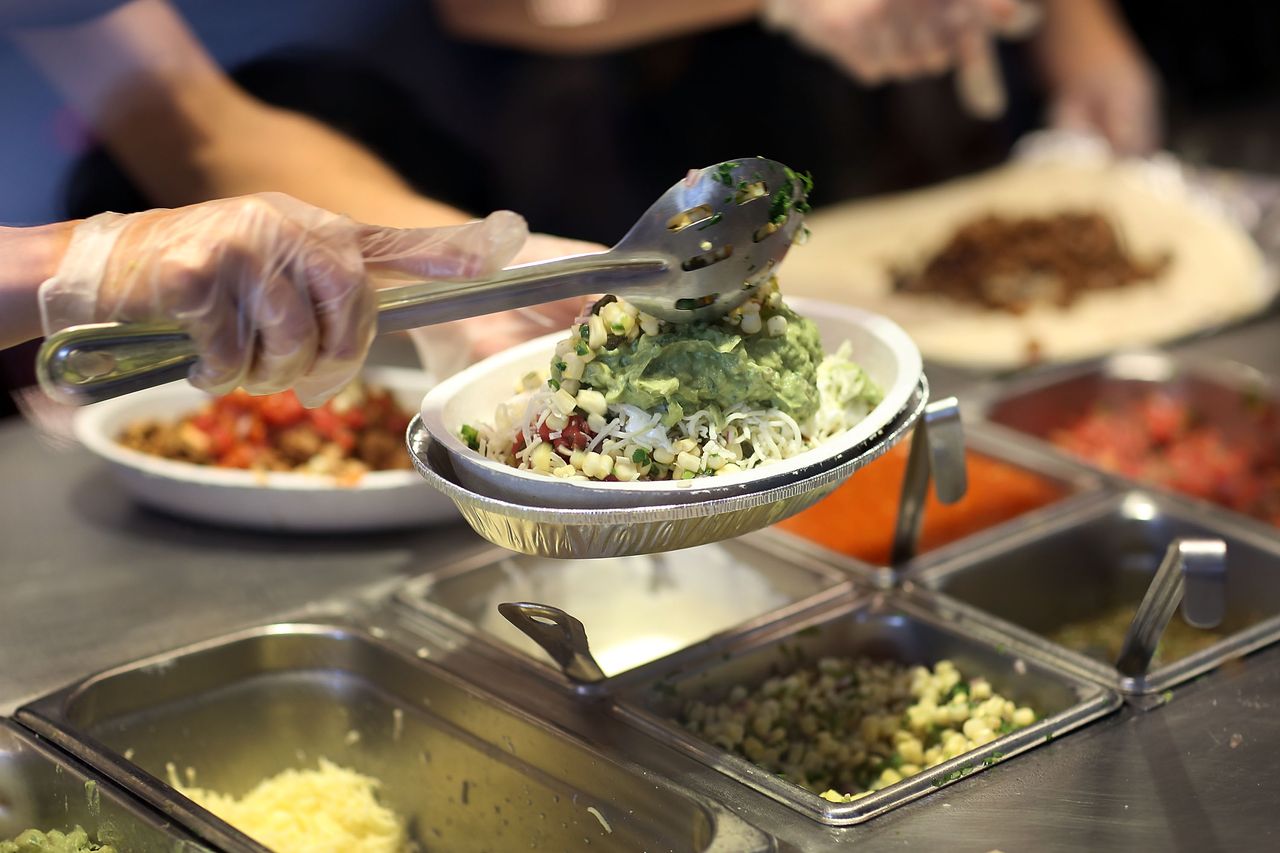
(627, 23)
(28, 256)
(1069, 24)
(185, 133)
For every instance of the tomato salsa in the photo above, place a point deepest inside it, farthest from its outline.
(359, 430)
(1230, 458)
(857, 519)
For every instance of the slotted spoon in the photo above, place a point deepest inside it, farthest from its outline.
(698, 252)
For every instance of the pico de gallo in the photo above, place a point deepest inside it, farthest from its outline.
(1161, 439)
(360, 430)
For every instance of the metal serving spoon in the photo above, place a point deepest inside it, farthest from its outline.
(697, 253)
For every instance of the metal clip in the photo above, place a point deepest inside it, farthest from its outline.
(560, 635)
(937, 454)
(1198, 564)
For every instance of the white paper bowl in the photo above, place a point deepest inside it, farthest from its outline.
(879, 346)
(285, 502)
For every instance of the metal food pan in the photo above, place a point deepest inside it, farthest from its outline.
(40, 788)
(672, 600)
(890, 627)
(1102, 556)
(1074, 482)
(1039, 405)
(466, 770)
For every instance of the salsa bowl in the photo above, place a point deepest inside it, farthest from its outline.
(273, 501)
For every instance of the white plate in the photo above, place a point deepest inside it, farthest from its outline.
(879, 346)
(290, 502)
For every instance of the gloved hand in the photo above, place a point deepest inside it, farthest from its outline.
(274, 292)
(447, 348)
(881, 40)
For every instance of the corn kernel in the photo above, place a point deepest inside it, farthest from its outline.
(591, 402)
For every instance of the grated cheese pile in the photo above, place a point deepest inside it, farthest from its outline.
(330, 810)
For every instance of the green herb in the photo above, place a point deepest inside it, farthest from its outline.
(582, 348)
(895, 760)
(1005, 727)
(470, 436)
(724, 173)
(640, 456)
(584, 331)
(716, 217)
(992, 759)
(554, 383)
(961, 688)
(559, 366)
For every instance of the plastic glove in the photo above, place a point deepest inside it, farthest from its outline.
(449, 347)
(880, 40)
(274, 292)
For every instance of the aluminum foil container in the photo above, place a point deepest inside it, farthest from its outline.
(589, 533)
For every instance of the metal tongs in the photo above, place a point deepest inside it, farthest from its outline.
(697, 253)
(1193, 572)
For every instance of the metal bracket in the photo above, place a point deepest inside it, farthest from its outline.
(937, 455)
(1198, 564)
(560, 635)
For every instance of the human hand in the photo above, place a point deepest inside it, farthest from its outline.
(447, 348)
(275, 293)
(881, 40)
(1110, 91)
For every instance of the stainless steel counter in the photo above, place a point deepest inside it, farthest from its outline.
(91, 580)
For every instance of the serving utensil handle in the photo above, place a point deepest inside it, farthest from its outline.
(98, 361)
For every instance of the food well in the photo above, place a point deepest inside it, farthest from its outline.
(462, 769)
(46, 790)
(884, 632)
(1074, 583)
(635, 609)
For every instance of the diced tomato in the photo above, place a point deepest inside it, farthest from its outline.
(239, 456)
(221, 439)
(331, 427)
(281, 410)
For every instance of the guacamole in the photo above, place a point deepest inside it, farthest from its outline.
(694, 366)
(53, 841)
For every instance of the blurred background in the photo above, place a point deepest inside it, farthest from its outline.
(581, 141)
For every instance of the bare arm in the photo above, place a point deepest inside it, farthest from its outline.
(627, 23)
(1098, 77)
(186, 133)
(28, 256)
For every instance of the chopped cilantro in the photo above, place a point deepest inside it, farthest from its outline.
(582, 348)
(584, 331)
(559, 366)
(470, 436)
(716, 217)
(554, 383)
(640, 456)
(724, 173)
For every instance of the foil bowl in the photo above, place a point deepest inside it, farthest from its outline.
(624, 532)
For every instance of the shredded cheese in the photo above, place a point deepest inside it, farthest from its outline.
(329, 810)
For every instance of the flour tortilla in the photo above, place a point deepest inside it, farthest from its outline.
(1217, 274)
